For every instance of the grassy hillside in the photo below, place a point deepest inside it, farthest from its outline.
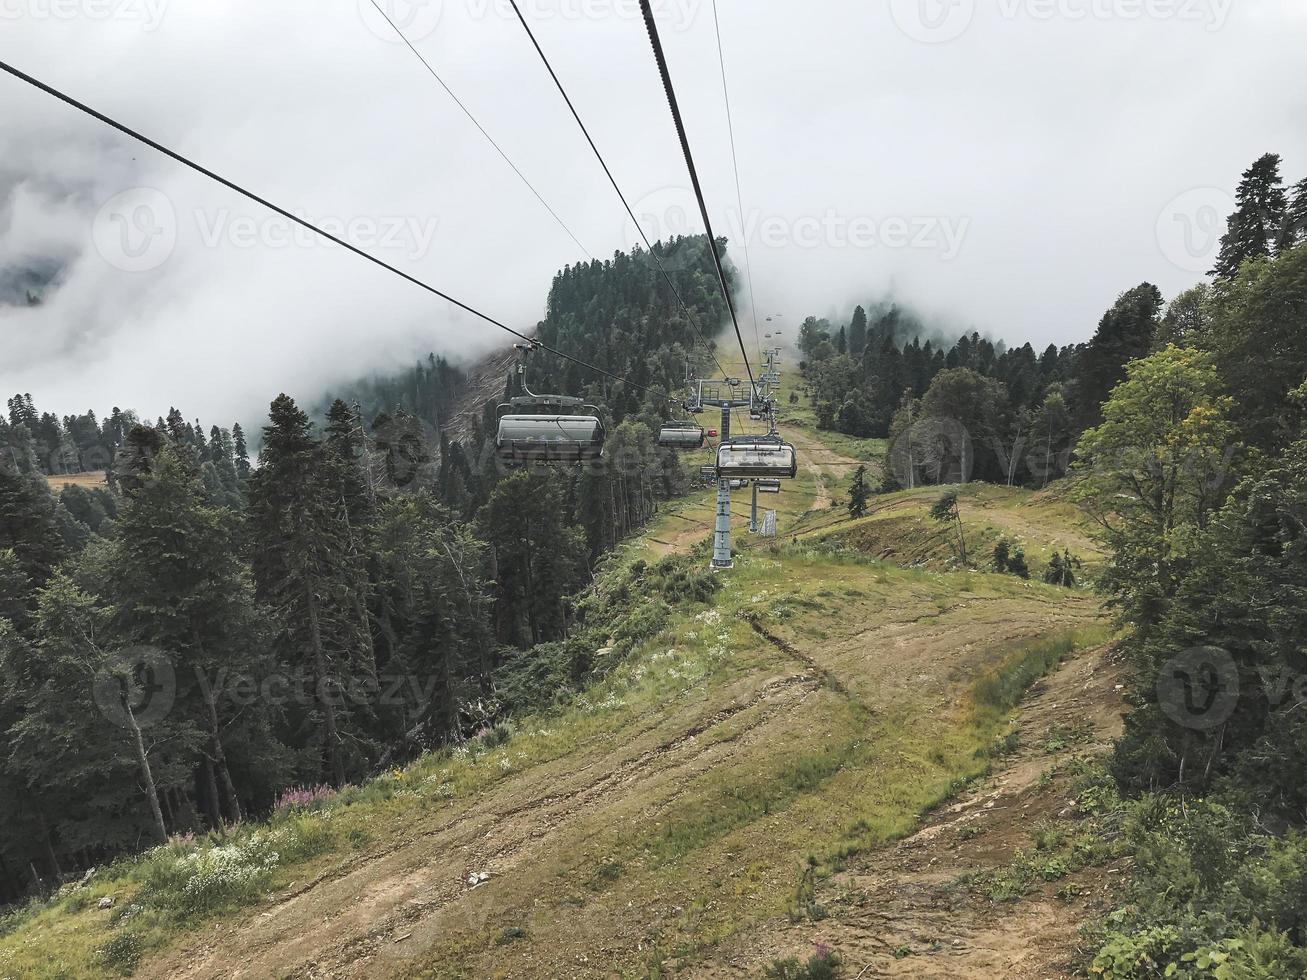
(752, 731)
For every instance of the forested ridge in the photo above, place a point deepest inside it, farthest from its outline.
(882, 372)
(364, 590)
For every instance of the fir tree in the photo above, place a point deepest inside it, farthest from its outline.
(1258, 222)
(859, 493)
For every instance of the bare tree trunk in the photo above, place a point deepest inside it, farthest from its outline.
(142, 760)
(331, 735)
(49, 844)
(212, 801)
(220, 758)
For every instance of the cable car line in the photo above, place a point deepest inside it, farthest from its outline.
(490, 139)
(735, 161)
(657, 43)
(230, 185)
(613, 180)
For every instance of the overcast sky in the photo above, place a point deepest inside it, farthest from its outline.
(1003, 165)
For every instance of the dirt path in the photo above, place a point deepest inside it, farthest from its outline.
(900, 912)
(541, 833)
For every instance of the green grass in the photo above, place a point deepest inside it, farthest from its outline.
(843, 779)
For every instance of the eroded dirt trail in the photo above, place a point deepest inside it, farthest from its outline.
(902, 912)
(546, 830)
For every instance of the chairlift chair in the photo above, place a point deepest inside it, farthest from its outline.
(548, 428)
(768, 486)
(681, 435)
(757, 456)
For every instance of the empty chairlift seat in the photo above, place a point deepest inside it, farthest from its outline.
(537, 430)
(768, 486)
(681, 435)
(767, 457)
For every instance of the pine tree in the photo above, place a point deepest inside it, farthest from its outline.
(1002, 555)
(179, 586)
(242, 455)
(1295, 218)
(1124, 334)
(1257, 225)
(29, 524)
(858, 333)
(304, 567)
(859, 493)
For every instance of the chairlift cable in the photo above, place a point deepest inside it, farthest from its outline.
(490, 139)
(735, 161)
(672, 103)
(613, 180)
(304, 223)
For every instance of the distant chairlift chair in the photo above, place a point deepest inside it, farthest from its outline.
(548, 428)
(681, 435)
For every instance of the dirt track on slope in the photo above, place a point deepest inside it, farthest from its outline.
(898, 912)
(404, 907)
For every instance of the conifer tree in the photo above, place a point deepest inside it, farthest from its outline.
(241, 452)
(859, 493)
(1257, 225)
(305, 568)
(858, 333)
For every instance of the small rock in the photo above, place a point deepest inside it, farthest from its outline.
(106, 902)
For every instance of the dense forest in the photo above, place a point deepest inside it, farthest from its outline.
(206, 633)
(1183, 430)
(1024, 411)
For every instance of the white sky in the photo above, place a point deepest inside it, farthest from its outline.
(1003, 165)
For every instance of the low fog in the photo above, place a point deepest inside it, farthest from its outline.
(1008, 168)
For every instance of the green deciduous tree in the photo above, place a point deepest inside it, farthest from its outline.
(1154, 471)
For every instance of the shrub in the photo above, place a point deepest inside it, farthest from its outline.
(121, 954)
(823, 964)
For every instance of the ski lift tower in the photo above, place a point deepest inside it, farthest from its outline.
(723, 394)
